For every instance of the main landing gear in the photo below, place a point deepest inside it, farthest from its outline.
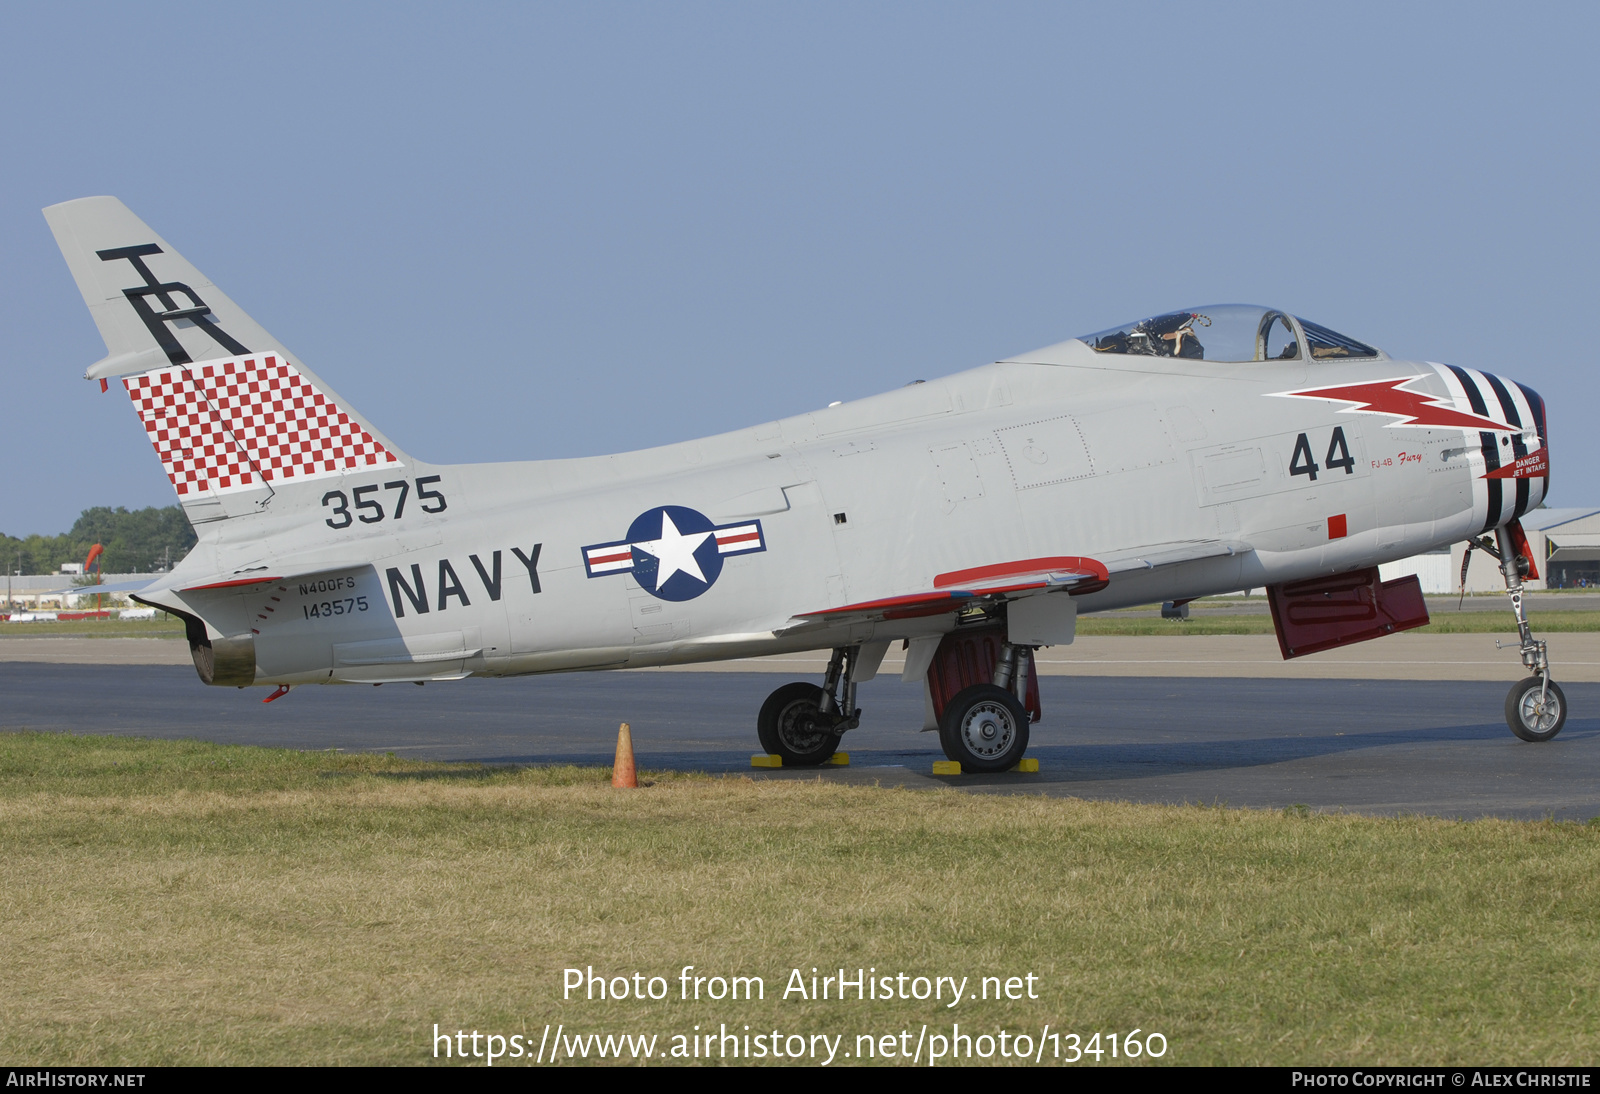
(984, 727)
(802, 722)
(979, 686)
(1536, 709)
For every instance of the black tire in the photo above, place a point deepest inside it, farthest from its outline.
(1524, 716)
(984, 728)
(791, 724)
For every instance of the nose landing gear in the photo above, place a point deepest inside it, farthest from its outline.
(1535, 709)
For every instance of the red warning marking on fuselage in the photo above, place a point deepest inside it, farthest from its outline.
(1535, 465)
(1410, 408)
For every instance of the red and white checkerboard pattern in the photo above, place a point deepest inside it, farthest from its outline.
(232, 425)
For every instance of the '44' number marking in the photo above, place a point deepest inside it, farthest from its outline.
(1303, 463)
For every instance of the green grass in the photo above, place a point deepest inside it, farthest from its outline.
(163, 626)
(1467, 622)
(178, 902)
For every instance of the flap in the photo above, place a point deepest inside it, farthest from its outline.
(1025, 573)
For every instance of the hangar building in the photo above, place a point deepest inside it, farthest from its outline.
(1566, 546)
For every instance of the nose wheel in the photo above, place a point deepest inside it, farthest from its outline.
(1536, 709)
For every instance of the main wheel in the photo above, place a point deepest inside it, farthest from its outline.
(1533, 714)
(984, 728)
(791, 724)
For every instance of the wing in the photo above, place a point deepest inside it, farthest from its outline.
(961, 589)
(1156, 555)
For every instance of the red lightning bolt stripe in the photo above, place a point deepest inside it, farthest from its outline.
(1410, 408)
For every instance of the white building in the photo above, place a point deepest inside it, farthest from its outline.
(1436, 570)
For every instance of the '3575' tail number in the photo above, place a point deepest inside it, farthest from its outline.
(369, 507)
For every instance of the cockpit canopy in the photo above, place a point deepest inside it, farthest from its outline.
(1228, 332)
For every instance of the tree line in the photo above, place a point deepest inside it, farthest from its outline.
(135, 541)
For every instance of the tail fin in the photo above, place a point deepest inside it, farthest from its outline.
(231, 413)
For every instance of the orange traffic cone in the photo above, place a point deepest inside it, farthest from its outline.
(622, 773)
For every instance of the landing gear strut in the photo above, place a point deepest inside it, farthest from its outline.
(802, 722)
(1536, 709)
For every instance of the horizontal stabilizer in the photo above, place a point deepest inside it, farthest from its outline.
(119, 587)
(233, 583)
(245, 578)
(263, 575)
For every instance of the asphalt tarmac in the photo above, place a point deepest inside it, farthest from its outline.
(1438, 748)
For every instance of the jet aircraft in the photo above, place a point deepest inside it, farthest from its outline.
(969, 519)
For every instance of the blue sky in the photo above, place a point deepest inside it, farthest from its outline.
(526, 231)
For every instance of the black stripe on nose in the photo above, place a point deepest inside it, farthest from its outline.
(1488, 442)
(1519, 447)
